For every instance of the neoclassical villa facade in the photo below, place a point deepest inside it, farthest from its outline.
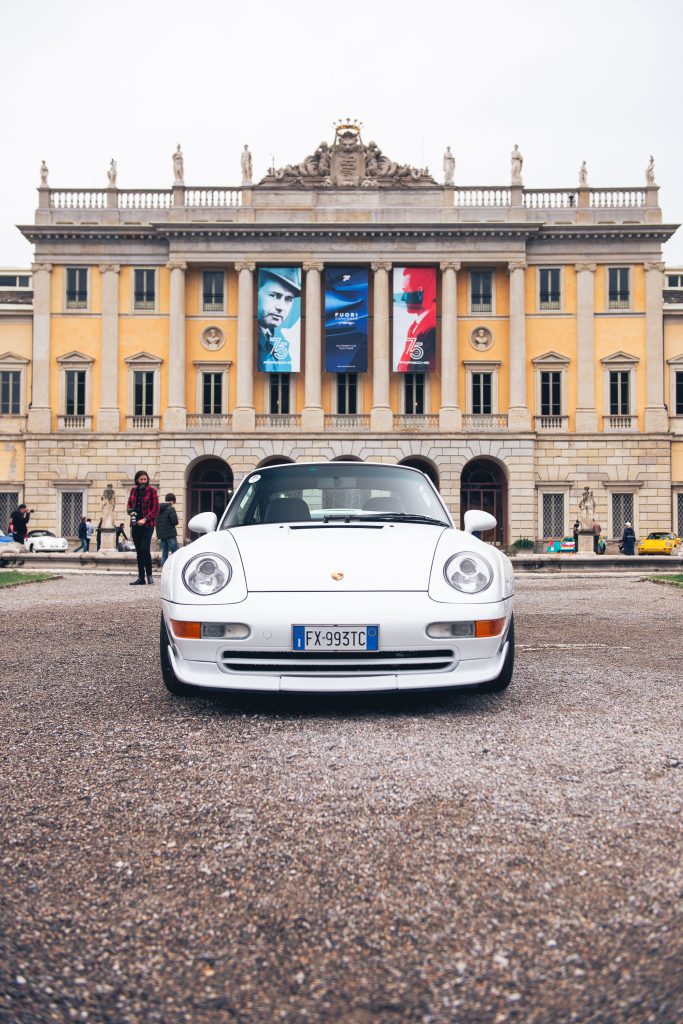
(513, 343)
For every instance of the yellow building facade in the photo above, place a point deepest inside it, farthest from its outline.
(557, 363)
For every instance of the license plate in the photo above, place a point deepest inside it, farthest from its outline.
(335, 638)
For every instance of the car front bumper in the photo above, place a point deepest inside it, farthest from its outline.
(408, 659)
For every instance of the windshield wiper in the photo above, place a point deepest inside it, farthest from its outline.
(401, 517)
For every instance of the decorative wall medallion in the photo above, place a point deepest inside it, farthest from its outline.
(481, 338)
(337, 576)
(213, 338)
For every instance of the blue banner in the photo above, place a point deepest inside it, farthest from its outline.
(279, 320)
(346, 320)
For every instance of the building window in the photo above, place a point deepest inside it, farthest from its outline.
(414, 393)
(618, 288)
(622, 512)
(347, 393)
(674, 280)
(212, 393)
(213, 291)
(678, 404)
(482, 393)
(549, 288)
(551, 393)
(76, 287)
(679, 511)
(143, 393)
(9, 500)
(144, 296)
(481, 291)
(10, 393)
(620, 392)
(72, 510)
(74, 404)
(553, 515)
(279, 393)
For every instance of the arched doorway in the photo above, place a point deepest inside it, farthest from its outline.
(483, 486)
(209, 487)
(274, 460)
(425, 466)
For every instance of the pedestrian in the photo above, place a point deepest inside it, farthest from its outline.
(98, 536)
(19, 523)
(120, 536)
(89, 529)
(143, 509)
(575, 531)
(167, 535)
(597, 530)
(628, 541)
(82, 535)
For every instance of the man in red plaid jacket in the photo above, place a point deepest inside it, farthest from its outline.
(143, 509)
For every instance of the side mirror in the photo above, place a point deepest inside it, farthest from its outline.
(205, 522)
(478, 521)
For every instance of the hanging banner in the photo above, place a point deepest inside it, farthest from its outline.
(414, 344)
(346, 320)
(279, 320)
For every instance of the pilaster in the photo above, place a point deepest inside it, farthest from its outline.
(586, 413)
(312, 416)
(450, 415)
(176, 412)
(381, 416)
(108, 419)
(656, 417)
(39, 415)
(244, 415)
(519, 417)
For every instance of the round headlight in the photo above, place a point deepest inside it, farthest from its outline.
(207, 574)
(468, 572)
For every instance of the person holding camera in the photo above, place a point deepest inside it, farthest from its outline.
(19, 523)
(143, 509)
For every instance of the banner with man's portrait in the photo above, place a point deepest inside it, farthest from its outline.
(346, 320)
(279, 320)
(414, 340)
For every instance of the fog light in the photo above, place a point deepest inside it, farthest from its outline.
(225, 631)
(448, 630)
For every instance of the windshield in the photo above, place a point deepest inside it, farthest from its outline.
(332, 493)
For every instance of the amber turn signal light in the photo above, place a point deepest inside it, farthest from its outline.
(186, 630)
(489, 627)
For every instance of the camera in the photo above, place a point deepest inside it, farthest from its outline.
(133, 519)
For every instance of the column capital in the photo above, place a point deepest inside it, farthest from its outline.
(245, 266)
(380, 266)
(110, 268)
(36, 268)
(450, 265)
(589, 267)
(176, 265)
(517, 265)
(654, 265)
(312, 265)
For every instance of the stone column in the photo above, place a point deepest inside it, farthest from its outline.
(108, 415)
(312, 417)
(586, 413)
(39, 416)
(176, 412)
(243, 415)
(381, 416)
(519, 417)
(656, 418)
(450, 415)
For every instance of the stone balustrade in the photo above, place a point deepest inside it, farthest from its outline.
(347, 421)
(416, 421)
(278, 421)
(208, 421)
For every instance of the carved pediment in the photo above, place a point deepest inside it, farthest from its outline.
(620, 358)
(8, 358)
(74, 359)
(551, 358)
(143, 358)
(347, 163)
(674, 361)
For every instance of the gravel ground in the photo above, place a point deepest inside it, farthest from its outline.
(434, 859)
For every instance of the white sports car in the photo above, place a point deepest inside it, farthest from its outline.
(44, 540)
(341, 576)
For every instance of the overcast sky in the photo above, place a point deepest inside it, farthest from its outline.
(85, 82)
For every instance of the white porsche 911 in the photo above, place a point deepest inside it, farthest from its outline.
(337, 577)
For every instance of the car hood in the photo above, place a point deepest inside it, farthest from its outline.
(381, 556)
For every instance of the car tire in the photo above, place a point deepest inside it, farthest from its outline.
(502, 681)
(171, 681)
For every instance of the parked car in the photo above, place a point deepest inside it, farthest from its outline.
(566, 545)
(338, 577)
(45, 540)
(658, 542)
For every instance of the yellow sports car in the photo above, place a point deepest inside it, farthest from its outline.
(659, 542)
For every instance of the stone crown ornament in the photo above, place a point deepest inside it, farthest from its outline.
(347, 163)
